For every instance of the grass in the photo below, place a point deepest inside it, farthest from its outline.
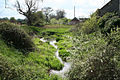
(39, 62)
(62, 36)
(57, 26)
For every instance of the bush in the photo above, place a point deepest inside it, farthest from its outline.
(95, 68)
(101, 22)
(90, 25)
(94, 59)
(14, 35)
(100, 66)
(111, 24)
(110, 21)
(53, 21)
(114, 38)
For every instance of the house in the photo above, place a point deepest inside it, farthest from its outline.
(111, 6)
(74, 21)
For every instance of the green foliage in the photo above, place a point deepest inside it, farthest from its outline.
(38, 19)
(64, 54)
(64, 21)
(102, 20)
(21, 21)
(37, 64)
(90, 25)
(6, 72)
(13, 20)
(55, 77)
(94, 59)
(58, 39)
(48, 60)
(14, 35)
(95, 13)
(114, 38)
(60, 14)
(64, 44)
(111, 24)
(110, 21)
(53, 21)
(34, 66)
(96, 56)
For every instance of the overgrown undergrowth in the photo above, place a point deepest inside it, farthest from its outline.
(95, 50)
(36, 64)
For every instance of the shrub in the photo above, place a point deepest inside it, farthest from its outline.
(90, 25)
(53, 21)
(102, 20)
(94, 59)
(14, 35)
(98, 67)
(111, 24)
(114, 39)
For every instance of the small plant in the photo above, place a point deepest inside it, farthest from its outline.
(64, 54)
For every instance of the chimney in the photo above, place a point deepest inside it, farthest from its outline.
(74, 11)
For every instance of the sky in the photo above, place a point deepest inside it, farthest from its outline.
(83, 7)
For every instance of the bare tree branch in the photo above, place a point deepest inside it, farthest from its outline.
(28, 9)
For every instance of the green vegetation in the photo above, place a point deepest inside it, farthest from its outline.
(95, 51)
(64, 45)
(40, 58)
(17, 37)
(92, 46)
(36, 64)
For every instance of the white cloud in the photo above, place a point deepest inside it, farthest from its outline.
(95, 3)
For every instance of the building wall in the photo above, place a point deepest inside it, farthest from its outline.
(112, 6)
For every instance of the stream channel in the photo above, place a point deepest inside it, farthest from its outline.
(67, 65)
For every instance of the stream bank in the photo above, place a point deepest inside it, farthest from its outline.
(67, 65)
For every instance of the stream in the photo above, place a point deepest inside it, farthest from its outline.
(67, 65)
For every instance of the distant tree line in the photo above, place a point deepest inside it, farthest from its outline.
(36, 17)
(13, 20)
(40, 18)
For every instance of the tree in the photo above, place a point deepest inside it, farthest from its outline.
(38, 19)
(29, 8)
(52, 16)
(47, 11)
(5, 19)
(60, 14)
(53, 21)
(13, 20)
(21, 21)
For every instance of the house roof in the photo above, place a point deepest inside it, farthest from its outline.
(74, 19)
